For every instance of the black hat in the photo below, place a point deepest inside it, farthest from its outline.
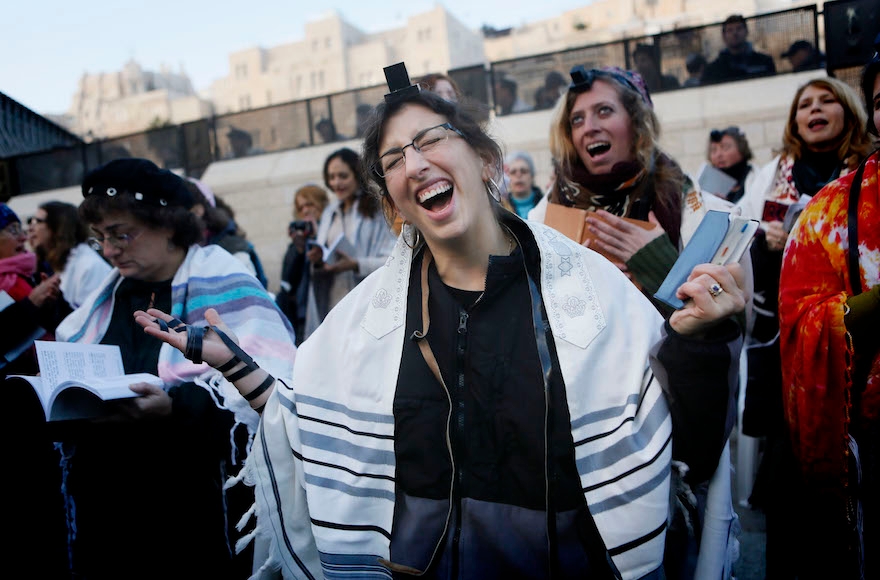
(142, 179)
(796, 46)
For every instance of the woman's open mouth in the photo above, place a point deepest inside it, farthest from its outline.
(436, 197)
(598, 148)
(817, 124)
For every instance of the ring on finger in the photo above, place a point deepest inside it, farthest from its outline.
(715, 290)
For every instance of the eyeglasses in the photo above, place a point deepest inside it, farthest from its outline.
(118, 241)
(35, 220)
(424, 142)
(13, 229)
(717, 134)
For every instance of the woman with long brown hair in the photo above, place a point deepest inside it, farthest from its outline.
(58, 236)
(355, 215)
(825, 138)
(604, 138)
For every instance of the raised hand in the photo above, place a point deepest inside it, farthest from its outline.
(254, 383)
(711, 294)
(46, 290)
(213, 351)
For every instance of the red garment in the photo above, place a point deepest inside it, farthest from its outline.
(14, 273)
(816, 359)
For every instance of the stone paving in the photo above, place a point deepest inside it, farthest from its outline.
(752, 540)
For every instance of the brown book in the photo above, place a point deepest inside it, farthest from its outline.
(571, 221)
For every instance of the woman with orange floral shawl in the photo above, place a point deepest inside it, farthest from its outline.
(829, 323)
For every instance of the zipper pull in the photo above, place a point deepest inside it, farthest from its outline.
(462, 322)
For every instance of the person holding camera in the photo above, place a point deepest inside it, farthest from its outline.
(309, 202)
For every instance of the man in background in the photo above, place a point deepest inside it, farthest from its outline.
(738, 60)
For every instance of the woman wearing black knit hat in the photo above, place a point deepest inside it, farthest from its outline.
(148, 487)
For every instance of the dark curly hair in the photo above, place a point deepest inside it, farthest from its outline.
(185, 225)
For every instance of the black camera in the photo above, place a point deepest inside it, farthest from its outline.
(304, 226)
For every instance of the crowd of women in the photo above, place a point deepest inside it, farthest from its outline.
(474, 394)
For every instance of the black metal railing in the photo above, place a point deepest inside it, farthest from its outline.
(191, 147)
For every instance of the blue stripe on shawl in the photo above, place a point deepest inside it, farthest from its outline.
(357, 415)
(353, 566)
(625, 447)
(604, 414)
(337, 485)
(346, 448)
(229, 294)
(211, 295)
(105, 295)
(631, 495)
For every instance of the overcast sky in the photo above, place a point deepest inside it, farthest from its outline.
(46, 45)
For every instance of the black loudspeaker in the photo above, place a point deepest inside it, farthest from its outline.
(850, 29)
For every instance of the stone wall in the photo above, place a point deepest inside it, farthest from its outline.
(261, 188)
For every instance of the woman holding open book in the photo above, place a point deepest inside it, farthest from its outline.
(482, 405)
(144, 490)
(640, 210)
(604, 139)
(366, 239)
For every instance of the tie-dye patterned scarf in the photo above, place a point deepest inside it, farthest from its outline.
(817, 357)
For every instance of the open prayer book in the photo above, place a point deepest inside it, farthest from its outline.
(76, 380)
(571, 221)
(340, 244)
(721, 238)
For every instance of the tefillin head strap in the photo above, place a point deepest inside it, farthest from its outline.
(399, 83)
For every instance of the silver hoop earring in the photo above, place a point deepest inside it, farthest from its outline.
(417, 236)
(496, 194)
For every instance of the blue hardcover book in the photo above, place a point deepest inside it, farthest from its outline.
(721, 238)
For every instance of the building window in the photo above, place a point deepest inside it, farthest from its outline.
(241, 71)
(328, 43)
(268, 97)
(321, 80)
(315, 45)
(244, 102)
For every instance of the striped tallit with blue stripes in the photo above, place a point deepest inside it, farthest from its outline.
(323, 463)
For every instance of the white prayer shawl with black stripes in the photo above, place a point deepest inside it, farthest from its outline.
(323, 463)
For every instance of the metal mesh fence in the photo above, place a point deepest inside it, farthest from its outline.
(513, 86)
(535, 83)
(351, 111)
(265, 130)
(51, 170)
